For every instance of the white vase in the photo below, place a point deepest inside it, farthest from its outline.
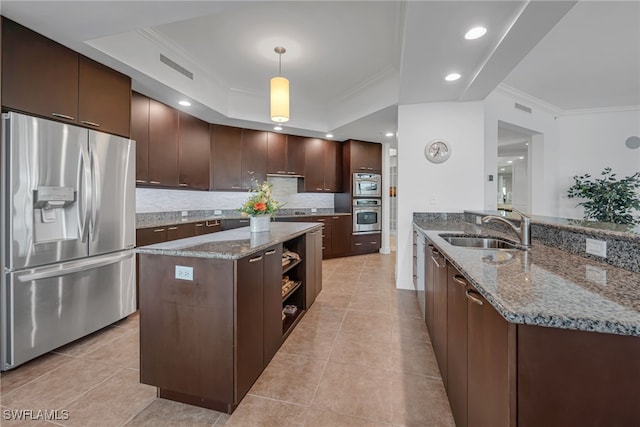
(259, 223)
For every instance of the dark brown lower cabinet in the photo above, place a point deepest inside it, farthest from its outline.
(498, 373)
(457, 345)
(207, 227)
(180, 231)
(439, 335)
(205, 341)
(365, 243)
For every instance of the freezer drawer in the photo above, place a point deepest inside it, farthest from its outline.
(47, 307)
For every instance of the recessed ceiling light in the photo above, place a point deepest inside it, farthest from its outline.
(526, 143)
(277, 128)
(501, 169)
(521, 158)
(452, 77)
(510, 161)
(389, 134)
(329, 135)
(185, 103)
(475, 33)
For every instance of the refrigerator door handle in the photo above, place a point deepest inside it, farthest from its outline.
(85, 194)
(63, 270)
(95, 184)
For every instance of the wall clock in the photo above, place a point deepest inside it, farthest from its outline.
(437, 151)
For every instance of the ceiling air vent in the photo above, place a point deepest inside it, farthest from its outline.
(179, 68)
(523, 108)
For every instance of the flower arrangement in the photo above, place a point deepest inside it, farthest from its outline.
(261, 201)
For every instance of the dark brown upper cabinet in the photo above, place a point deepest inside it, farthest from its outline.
(295, 155)
(323, 170)
(285, 154)
(194, 146)
(104, 101)
(253, 158)
(44, 78)
(140, 134)
(365, 156)
(39, 76)
(226, 158)
(163, 145)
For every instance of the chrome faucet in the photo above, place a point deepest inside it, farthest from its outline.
(523, 232)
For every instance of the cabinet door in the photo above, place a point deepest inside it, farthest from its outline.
(340, 235)
(249, 319)
(207, 227)
(254, 158)
(272, 302)
(163, 144)
(140, 134)
(457, 345)
(295, 155)
(314, 165)
(439, 337)
(276, 153)
(374, 157)
(180, 231)
(227, 149)
(151, 235)
(193, 148)
(359, 156)
(429, 287)
(488, 363)
(332, 166)
(104, 101)
(39, 76)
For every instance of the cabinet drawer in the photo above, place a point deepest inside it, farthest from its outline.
(151, 235)
(207, 227)
(365, 243)
(180, 231)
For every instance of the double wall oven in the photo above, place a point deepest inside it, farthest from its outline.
(367, 203)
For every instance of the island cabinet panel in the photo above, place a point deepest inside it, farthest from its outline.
(163, 145)
(186, 329)
(491, 385)
(457, 345)
(226, 158)
(140, 134)
(253, 158)
(431, 255)
(249, 308)
(104, 101)
(39, 76)
(577, 378)
(272, 274)
(439, 335)
(194, 146)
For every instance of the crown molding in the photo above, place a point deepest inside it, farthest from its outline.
(601, 110)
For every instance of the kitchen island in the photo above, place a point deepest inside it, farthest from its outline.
(215, 308)
(529, 337)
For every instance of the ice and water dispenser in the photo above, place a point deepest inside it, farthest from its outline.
(55, 213)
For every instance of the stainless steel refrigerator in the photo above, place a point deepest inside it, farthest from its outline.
(68, 233)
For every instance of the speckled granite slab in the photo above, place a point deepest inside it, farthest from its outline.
(545, 286)
(230, 244)
(159, 219)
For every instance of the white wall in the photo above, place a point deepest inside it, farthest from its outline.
(452, 186)
(284, 191)
(591, 141)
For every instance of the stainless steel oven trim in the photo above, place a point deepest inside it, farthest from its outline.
(360, 177)
(377, 227)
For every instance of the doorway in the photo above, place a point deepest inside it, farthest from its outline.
(514, 167)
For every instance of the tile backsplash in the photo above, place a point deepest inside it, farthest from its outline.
(285, 191)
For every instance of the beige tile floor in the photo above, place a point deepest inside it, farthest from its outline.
(360, 357)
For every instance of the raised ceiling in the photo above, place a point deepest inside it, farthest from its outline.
(351, 63)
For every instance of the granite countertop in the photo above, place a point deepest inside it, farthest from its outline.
(230, 244)
(160, 219)
(545, 286)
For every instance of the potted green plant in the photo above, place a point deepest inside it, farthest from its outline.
(260, 207)
(609, 199)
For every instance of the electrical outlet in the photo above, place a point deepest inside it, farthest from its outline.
(217, 212)
(478, 220)
(314, 210)
(184, 273)
(596, 275)
(596, 247)
(184, 213)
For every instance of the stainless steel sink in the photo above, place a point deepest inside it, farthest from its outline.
(480, 242)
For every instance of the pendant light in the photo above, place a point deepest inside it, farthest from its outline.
(280, 92)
